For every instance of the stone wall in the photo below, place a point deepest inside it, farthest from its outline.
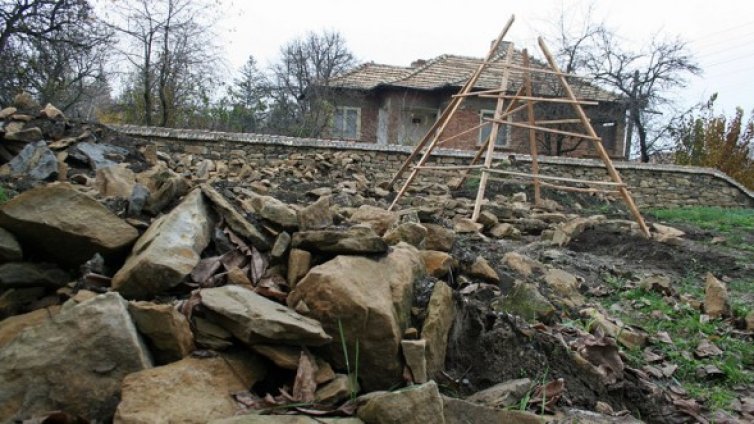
(651, 185)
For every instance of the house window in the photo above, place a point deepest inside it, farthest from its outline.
(347, 122)
(607, 131)
(484, 132)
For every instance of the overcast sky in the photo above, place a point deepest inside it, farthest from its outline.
(720, 33)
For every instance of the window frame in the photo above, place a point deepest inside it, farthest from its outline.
(481, 140)
(341, 132)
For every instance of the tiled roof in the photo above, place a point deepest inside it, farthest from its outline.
(453, 71)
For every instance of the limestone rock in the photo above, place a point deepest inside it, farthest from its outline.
(504, 230)
(235, 220)
(441, 312)
(337, 390)
(315, 216)
(164, 187)
(68, 226)
(566, 287)
(74, 362)
(438, 263)
(25, 275)
(97, 155)
(15, 301)
(716, 303)
(526, 301)
(626, 336)
(192, 390)
(10, 250)
(7, 112)
(414, 405)
(482, 269)
(523, 265)
(355, 240)
(116, 181)
(414, 352)
(457, 411)
(379, 219)
(285, 419)
(568, 230)
(409, 232)
(487, 219)
(439, 238)
(465, 225)
(280, 248)
(502, 395)
(35, 161)
(166, 329)
(52, 112)
(168, 251)
(255, 319)
(26, 135)
(278, 212)
(11, 327)
(299, 262)
(210, 335)
(371, 298)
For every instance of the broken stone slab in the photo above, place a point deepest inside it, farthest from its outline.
(522, 264)
(355, 240)
(10, 249)
(235, 220)
(457, 411)
(35, 161)
(7, 112)
(716, 303)
(567, 231)
(466, 226)
(65, 224)
(371, 299)
(279, 213)
(502, 395)
(526, 301)
(504, 230)
(168, 251)
(438, 263)
(255, 319)
(280, 248)
(192, 390)
(285, 419)
(167, 330)
(439, 238)
(337, 390)
(26, 135)
(97, 155)
(209, 335)
(115, 181)
(566, 286)
(11, 327)
(299, 262)
(441, 312)
(74, 362)
(22, 275)
(315, 216)
(482, 269)
(163, 185)
(487, 219)
(419, 404)
(16, 301)
(379, 219)
(414, 353)
(409, 232)
(628, 337)
(580, 416)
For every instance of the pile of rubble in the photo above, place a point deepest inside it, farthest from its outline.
(141, 287)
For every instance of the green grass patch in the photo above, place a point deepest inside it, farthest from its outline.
(709, 218)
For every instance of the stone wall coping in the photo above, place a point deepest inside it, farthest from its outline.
(280, 140)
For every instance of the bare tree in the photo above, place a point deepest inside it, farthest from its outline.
(301, 81)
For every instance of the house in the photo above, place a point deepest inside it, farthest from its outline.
(387, 104)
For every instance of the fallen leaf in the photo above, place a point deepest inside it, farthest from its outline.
(664, 337)
(706, 349)
(305, 385)
(651, 356)
(205, 269)
(550, 393)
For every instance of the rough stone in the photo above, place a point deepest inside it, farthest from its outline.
(96, 155)
(414, 352)
(716, 303)
(628, 337)
(164, 187)
(502, 395)
(566, 288)
(466, 225)
(7, 112)
(26, 135)
(279, 213)
(568, 230)
(68, 226)
(482, 269)
(523, 265)
(235, 220)
(285, 419)
(35, 161)
(15, 301)
(75, 361)
(371, 298)
(337, 390)
(503, 230)
(409, 232)
(750, 321)
(167, 330)
(11, 327)
(255, 319)
(438, 263)
(355, 240)
(439, 238)
(457, 411)
(23, 275)
(379, 219)
(315, 216)
(487, 219)
(210, 335)
(414, 405)
(168, 251)
(116, 181)
(192, 390)
(299, 262)
(10, 249)
(280, 248)
(526, 301)
(441, 312)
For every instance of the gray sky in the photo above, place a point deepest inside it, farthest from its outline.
(720, 33)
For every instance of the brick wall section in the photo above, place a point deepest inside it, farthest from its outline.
(651, 184)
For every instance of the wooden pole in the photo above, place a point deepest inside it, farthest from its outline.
(493, 136)
(532, 132)
(439, 126)
(598, 144)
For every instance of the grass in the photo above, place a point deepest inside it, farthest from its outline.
(733, 224)
(353, 378)
(3, 196)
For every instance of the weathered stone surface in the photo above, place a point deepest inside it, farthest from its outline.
(210, 335)
(167, 330)
(11, 327)
(438, 263)
(523, 265)
(439, 238)
(414, 405)
(164, 187)
(750, 321)
(577, 416)
(15, 301)
(441, 313)
(628, 337)
(299, 262)
(67, 225)
(487, 219)
(35, 161)
(256, 319)
(414, 352)
(716, 303)
(168, 251)
(568, 230)
(315, 216)
(10, 250)
(52, 112)
(116, 181)
(371, 298)
(355, 240)
(457, 411)
(278, 212)
(282, 243)
(285, 419)
(502, 395)
(337, 390)
(7, 112)
(566, 288)
(482, 269)
(25, 275)
(74, 362)
(526, 301)
(504, 230)
(96, 155)
(466, 225)
(379, 219)
(26, 135)
(409, 232)
(235, 220)
(192, 390)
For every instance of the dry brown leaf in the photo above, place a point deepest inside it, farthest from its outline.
(304, 385)
(188, 305)
(205, 269)
(706, 349)
(550, 393)
(233, 259)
